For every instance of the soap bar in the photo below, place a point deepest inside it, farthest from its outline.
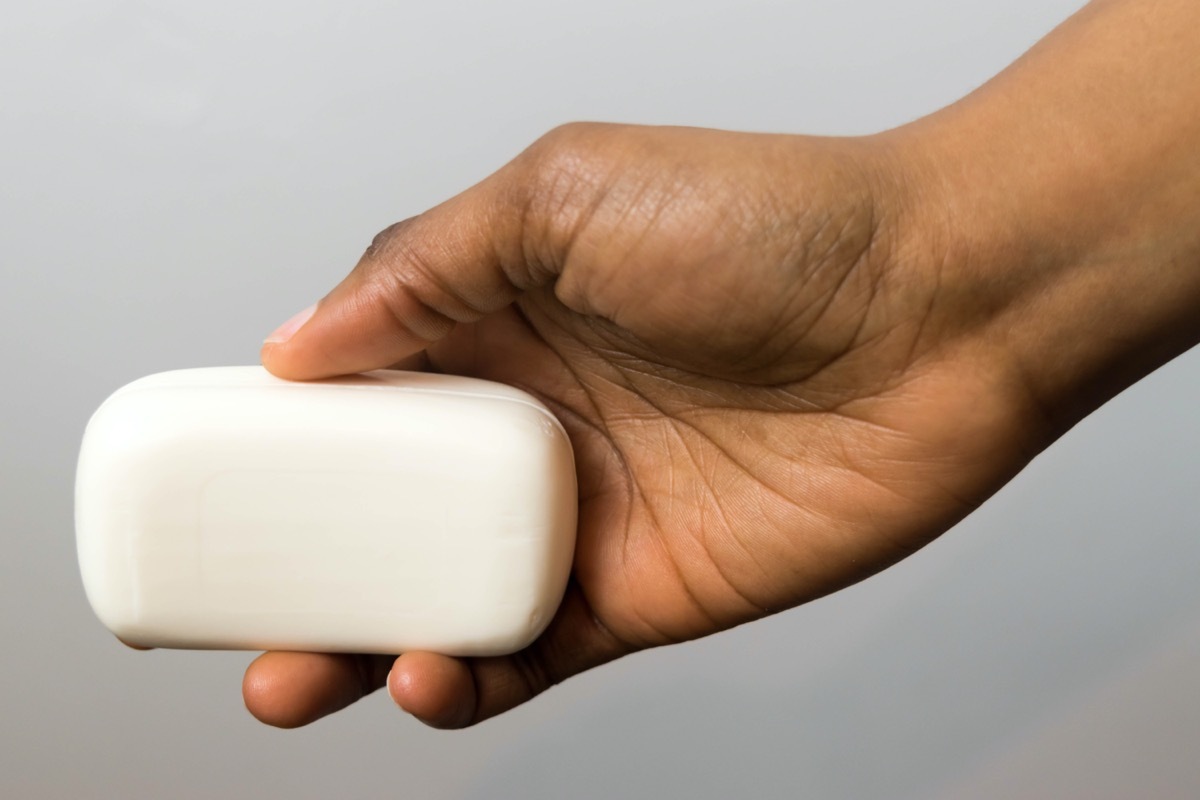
(228, 509)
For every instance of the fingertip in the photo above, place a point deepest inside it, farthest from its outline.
(293, 350)
(268, 696)
(288, 361)
(260, 693)
(260, 698)
(289, 690)
(437, 690)
(270, 354)
(284, 332)
(348, 332)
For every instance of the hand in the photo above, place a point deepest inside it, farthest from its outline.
(736, 331)
(784, 363)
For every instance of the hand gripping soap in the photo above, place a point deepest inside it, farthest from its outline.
(380, 513)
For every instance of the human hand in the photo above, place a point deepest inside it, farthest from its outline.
(736, 332)
(784, 363)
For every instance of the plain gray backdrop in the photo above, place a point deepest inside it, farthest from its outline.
(176, 179)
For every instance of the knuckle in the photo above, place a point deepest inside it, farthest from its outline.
(412, 311)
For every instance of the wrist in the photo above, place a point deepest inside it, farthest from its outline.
(1061, 236)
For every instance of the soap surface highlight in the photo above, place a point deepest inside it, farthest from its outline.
(225, 508)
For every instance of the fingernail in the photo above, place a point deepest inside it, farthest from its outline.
(289, 328)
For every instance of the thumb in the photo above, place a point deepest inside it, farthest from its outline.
(417, 280)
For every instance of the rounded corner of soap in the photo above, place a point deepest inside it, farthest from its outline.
(113, 614)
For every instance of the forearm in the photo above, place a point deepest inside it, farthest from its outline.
(1067, 194)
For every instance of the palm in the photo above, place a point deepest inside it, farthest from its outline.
(705, 503)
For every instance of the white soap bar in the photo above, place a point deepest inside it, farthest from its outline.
(380, 513)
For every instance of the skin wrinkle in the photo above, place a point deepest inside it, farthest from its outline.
(630, 204)
(675, 423)
(754, 476)
(428, 325)
(653, 533)
(955, 462)
(870, 304)
(843, 392)
(900, 250)
(547, 249)
(631, 365)
(419, 269)
(717, 399)
(816, 521)
(531, 668)
(632, 489)
(840, 447)
(910, 359)
(617, 350)
(730, 529)
(635, 492)
(524, 261)
(563, 231)
(740, 465)
(529, 316)
(602, 427)
(778, 328)
(831, 297)
(784, 221)
(716, 394)
(848, 466)
(748, 348)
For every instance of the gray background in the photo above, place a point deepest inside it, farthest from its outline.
(174, 181)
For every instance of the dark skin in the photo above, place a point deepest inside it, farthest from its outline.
(784, 362)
